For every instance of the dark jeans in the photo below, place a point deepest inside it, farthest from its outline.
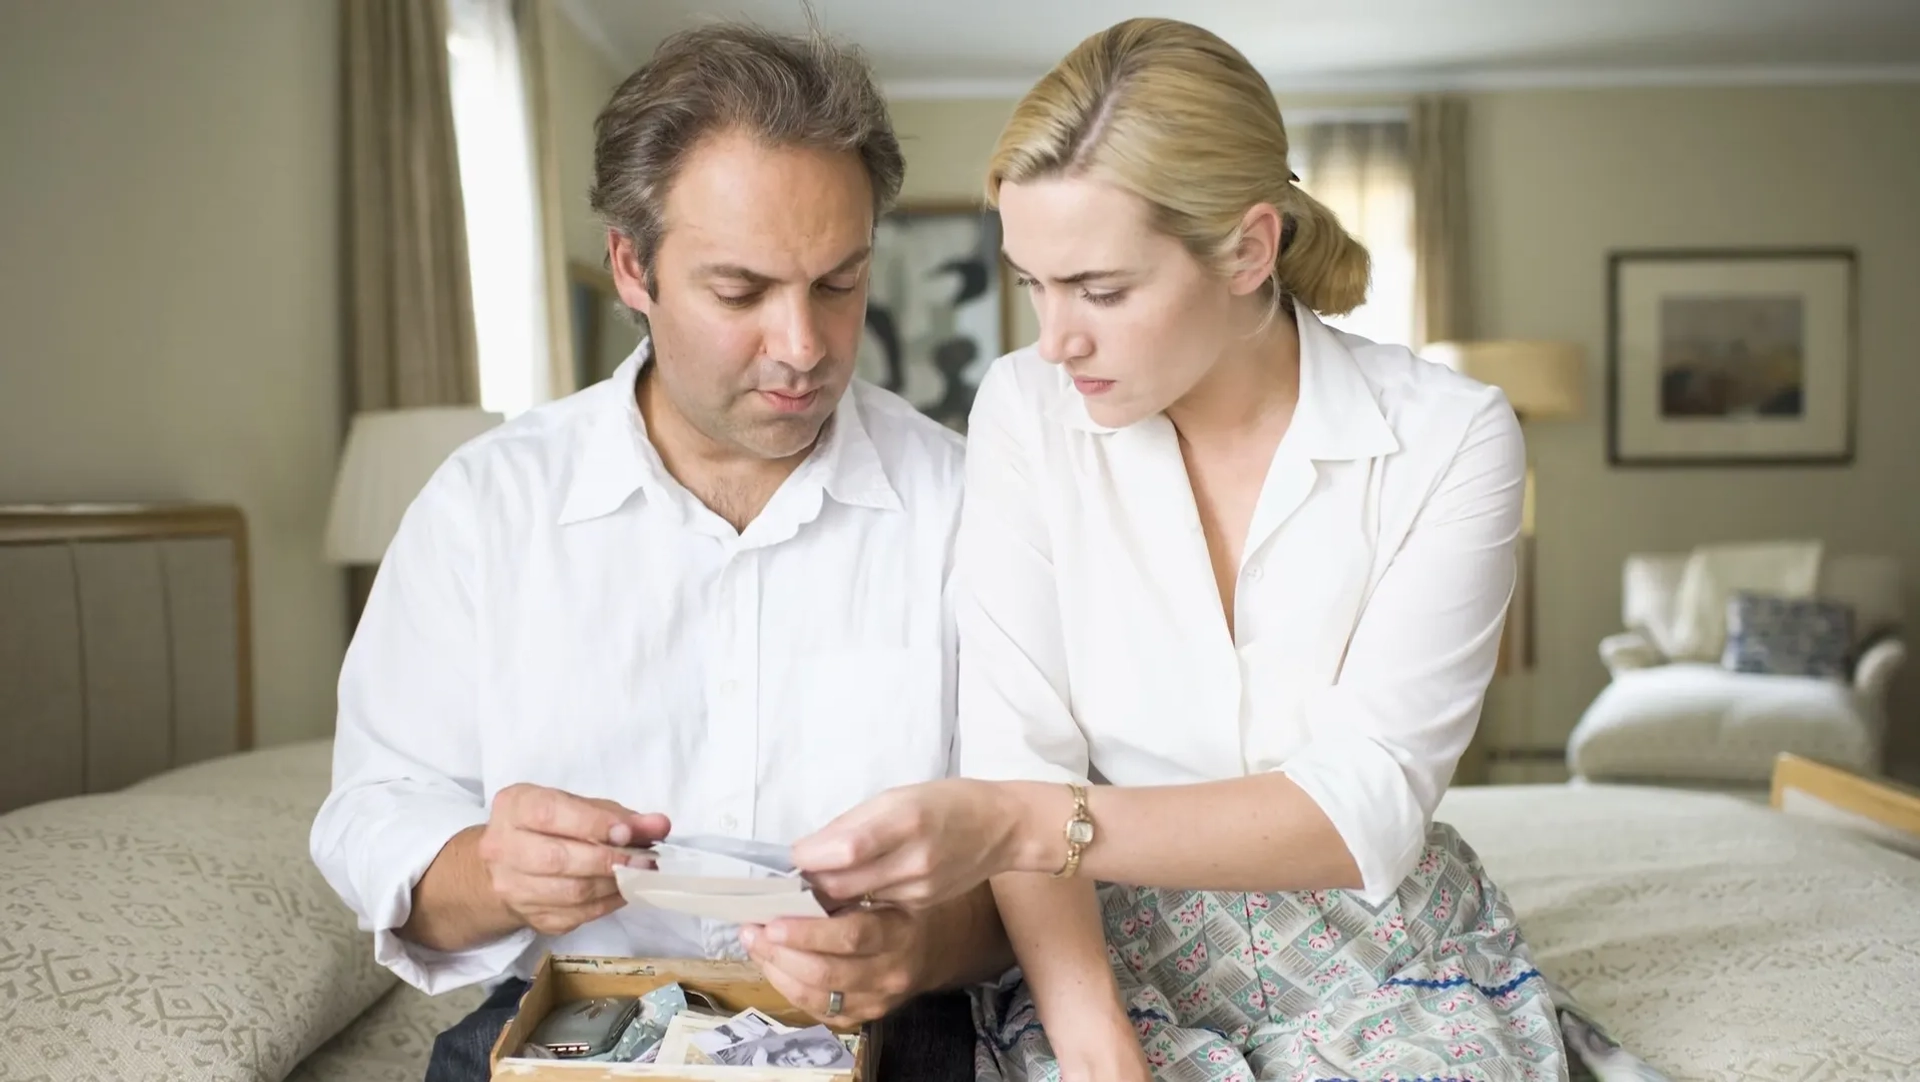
(930, 1039)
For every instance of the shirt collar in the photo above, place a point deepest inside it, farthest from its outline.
(614, 458)
(849, 463)
(1338, 416)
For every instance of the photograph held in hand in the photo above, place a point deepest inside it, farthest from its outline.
(733, 880)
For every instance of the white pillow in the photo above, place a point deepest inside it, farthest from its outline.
(167, 933)
(1714, 573)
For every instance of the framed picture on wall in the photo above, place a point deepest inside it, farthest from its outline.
(1731, 358)
(938, 306)
(604, 333)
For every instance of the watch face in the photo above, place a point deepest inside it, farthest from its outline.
(1080, 832)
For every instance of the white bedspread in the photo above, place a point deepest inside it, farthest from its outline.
(1718, 939)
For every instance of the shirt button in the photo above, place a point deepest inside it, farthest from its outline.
(730, 687)
(1254, 572)
(729, 824)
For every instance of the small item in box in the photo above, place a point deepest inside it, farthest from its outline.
(641, 1041)
(748, 1025)
(677, 1048)
(584, 1027)
(815, 1046)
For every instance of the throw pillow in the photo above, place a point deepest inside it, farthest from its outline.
(1788, 636)
(177, 930)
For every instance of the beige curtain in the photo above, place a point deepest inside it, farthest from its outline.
(1442, 310)
(410, 304)
(533, 19)
(410, 332)
(1360, 170)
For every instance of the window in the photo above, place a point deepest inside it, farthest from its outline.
(498, 186)
(1360, 168)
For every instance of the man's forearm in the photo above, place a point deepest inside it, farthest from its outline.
(967, 944)
(454, 905)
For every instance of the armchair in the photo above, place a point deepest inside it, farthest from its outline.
(1693, 721)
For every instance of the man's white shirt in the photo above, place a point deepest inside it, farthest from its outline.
(556, 609)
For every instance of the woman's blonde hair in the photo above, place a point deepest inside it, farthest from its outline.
(1176, 116)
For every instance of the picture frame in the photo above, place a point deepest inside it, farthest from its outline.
(1732, 357)
(939, 305)
(604, 332)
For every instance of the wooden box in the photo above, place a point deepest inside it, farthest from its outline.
(734, 986)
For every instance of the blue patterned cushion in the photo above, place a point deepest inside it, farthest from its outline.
(1788, 636)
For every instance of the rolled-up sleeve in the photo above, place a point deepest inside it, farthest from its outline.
(1385, 738)
(406, 758)
(1015, 722)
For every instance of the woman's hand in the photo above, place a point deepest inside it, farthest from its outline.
(916, 846)
(1103, 1049)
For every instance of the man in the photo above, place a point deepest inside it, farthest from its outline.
(706, 596)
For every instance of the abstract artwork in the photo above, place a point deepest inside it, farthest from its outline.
(1731, 357)
(937, 306)
(604, 333)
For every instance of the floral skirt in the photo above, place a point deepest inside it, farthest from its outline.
(1435, 984)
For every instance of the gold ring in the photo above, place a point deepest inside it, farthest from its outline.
(866, 902)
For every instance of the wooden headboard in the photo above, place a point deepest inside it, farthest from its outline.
(125, 644)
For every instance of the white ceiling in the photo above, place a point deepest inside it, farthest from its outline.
(960, 47)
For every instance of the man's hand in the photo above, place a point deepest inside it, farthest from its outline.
(875, 958)
(549, 855)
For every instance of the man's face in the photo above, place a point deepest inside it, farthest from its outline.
(761, 291)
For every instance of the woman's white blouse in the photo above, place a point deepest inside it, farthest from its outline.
(1369, 604)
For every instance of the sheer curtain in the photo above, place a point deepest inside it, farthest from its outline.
(1362, 170)
(1439, 169)
(499, 178)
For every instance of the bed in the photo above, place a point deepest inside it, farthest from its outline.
(159, 917)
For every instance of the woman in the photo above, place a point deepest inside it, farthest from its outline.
(1248, 572)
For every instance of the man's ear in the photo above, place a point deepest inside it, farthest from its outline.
(629, 277)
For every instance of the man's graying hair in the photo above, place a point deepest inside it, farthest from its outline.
(786, 90)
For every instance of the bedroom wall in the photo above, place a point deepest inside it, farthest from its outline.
(580, 79)
(168, 244)
(1559, 179)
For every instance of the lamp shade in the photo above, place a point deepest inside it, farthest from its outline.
(389, 456)
(1541, 378)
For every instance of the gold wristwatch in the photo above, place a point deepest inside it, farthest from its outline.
(1079, 833)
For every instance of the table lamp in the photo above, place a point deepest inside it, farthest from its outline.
(1543, 380)
(388, 458)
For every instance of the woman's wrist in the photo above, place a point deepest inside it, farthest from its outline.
(1036, 813)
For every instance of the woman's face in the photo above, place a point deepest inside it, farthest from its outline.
(1134, 318)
